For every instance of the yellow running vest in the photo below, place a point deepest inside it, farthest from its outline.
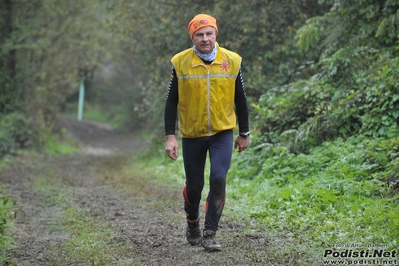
(206, 92)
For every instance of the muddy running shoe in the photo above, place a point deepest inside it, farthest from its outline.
(209, 242)
(193, 232)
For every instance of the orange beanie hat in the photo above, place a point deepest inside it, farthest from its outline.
(200, 21)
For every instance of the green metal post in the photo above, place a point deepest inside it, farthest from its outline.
(81, 98)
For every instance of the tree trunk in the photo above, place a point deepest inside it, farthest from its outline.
(8, 91)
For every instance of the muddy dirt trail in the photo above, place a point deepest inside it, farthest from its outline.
(150, 223)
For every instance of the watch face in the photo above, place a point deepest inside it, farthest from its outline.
(245, 135)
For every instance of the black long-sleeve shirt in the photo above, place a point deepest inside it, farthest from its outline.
(172, 100)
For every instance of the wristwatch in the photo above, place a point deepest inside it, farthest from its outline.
(244, 135)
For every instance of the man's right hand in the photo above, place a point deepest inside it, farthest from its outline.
(172, 147)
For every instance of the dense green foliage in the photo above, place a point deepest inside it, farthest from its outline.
(6, 215)
(15, 133)
(355, 90)
(48, 46)
(325, 158)
(321, 76)
(356, 93)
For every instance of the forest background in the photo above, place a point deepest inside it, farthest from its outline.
(322, 81)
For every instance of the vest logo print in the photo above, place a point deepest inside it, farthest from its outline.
(225, 66)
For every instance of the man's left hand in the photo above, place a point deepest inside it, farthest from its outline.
(241, 143)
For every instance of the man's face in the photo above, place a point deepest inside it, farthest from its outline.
(204, 39)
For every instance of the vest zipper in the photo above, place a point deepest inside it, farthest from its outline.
(209, 101)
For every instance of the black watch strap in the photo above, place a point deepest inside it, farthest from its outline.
(244, 135)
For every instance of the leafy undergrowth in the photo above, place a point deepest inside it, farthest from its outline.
(6, 216)
(341, 193)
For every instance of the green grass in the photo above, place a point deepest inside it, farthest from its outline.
(90, 240)
(334, 195)
(331, 196)
(6, 224)
(53, 145)
(113, 117)
(7, 211)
